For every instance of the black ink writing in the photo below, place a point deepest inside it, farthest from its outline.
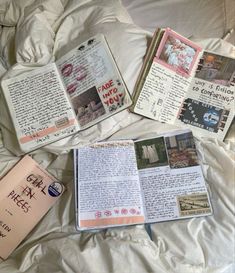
(37, 182)
(20, 202)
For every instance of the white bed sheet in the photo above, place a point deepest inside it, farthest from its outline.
(193, 19)
(204, 244)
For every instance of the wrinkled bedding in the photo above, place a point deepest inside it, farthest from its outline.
(34, 33)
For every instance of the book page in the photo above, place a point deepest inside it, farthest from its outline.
(171, 178)
(148, 60)
(208, 108)
(40, 109)
(93, 81)
(168, 79)
(27, 192)
(108, 185)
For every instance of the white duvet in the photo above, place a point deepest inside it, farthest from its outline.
(33, 33)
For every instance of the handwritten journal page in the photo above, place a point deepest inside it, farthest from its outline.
(169, 78)
(208, 107)
(93, 81)
(171, 178)
(40, 109)
(108, 185)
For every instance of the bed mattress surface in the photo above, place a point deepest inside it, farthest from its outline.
(34, 33)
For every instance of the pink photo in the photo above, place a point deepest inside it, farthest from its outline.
(177, 53)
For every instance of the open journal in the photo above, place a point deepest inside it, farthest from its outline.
(133, 182)
(77, 91)
(182, 84)
(27, 192)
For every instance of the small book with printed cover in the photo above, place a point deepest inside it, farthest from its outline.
(27, 192)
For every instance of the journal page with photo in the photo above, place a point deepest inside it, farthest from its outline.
(171, 179)
(107, 188)
(174, 61)
(208, 107)
(93, 81)
(134, 182)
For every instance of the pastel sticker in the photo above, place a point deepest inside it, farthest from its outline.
(55, 189)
